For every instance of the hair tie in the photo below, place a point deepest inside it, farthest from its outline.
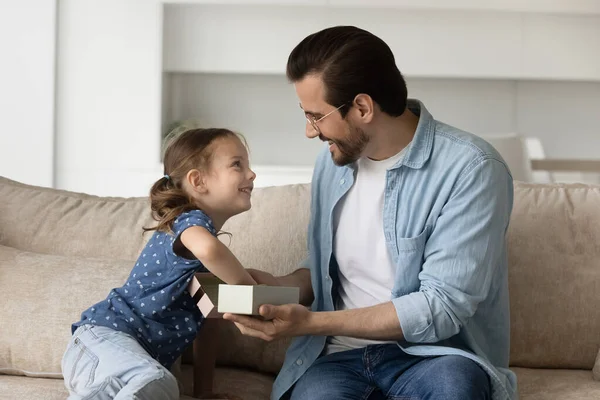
(167, 177)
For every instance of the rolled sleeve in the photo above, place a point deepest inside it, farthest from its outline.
(415, 318)
(461, 256)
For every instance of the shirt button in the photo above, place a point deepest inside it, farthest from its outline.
(342, 181)
(299, 361)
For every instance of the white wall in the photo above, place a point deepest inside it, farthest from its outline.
(262, 107)
(109, 96)
(27, 40)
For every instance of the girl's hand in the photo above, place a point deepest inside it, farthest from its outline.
(263, 278)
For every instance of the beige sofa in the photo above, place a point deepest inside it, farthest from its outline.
(62, 251)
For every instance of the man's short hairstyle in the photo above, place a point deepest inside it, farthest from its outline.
(350, 61)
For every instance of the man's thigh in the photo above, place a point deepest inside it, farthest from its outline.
(433, 378)
(336, 376)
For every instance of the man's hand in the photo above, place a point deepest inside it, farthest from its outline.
(263, 278)
(281, 321)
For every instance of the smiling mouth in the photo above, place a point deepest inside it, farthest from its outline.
(247, 190)
(326, 140)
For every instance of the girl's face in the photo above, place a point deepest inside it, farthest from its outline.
(229, 180)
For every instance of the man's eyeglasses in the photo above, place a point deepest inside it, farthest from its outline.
(313, 121)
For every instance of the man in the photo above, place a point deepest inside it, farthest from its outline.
(407, 266)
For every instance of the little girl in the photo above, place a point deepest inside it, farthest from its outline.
(124, 346)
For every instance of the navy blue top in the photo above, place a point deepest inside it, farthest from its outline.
(154, 305)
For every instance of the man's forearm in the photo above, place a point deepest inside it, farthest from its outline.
(378, 322)
(300, 278)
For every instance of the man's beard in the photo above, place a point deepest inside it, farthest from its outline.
(350, 149)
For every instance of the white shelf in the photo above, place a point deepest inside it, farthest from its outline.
(561, 47)
(529, 6)
(428, 43)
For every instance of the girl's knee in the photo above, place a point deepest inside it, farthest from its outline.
(158, 385)
(165, 385)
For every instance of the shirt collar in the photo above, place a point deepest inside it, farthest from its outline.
(419, 149)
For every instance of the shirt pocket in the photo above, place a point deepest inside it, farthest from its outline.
(409, 263)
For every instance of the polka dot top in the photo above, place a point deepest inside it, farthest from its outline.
(154, 305)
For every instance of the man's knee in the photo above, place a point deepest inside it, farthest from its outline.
(456, 377)
(312, 386)
(445, 377)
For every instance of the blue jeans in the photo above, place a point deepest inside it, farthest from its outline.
(386, 372)
(101, 364)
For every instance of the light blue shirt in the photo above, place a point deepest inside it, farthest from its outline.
(447, 206)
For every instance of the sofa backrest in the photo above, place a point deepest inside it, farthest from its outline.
(554, 275)
(76, 247)
(64, 223)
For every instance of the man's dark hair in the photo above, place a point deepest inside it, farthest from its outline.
(350, 61)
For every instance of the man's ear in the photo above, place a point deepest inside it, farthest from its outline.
(195, 180)
(365, 106)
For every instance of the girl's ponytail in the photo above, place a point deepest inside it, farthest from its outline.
(167, 201)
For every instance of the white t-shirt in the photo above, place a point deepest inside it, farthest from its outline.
(366, 272)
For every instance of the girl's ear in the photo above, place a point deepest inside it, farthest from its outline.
(195, 180)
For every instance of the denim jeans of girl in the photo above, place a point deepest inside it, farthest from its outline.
(101, 364)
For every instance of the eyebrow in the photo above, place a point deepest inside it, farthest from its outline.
(313, 113)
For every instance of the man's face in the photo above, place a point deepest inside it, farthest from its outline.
(346, 140)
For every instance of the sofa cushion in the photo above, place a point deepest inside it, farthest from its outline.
(56, 289)
(554, 276)
(21, 387)
(46, 294)
(534, 384)
(238, 350)
(272, 235)
(242, 383)
(24, 388)
(556, 384)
